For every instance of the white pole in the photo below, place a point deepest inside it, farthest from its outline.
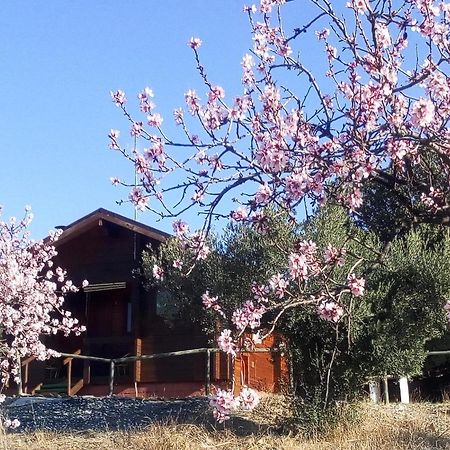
(404, 390)
(374, 391)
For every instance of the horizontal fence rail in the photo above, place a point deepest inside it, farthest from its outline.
(113, 361)
(68, 357)
(438, 352)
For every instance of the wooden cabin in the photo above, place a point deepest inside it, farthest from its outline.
(122, 319)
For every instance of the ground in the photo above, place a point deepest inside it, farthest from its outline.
(114, 423)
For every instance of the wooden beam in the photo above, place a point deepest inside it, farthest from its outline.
(208, 372)
(77, 387)
(111, 378)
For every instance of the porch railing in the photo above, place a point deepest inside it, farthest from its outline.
(74, 386)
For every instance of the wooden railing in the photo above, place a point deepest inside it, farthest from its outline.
(72, 388)
(207, 351)
(24, 384)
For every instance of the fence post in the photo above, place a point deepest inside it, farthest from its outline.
(69, 377)
(111, 378)
(386, 390)
(208, 372)
(404, 389)
(374, 391)
(19, 376)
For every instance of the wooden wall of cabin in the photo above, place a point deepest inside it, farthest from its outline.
(106, 253)
(267, 372)
(102, 253)
(171, 369)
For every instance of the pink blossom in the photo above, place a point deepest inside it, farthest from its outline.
(118, 97)
(329, 310)
(158, 272)
(223, 403)
(197, 243)
(248, 77)
(226, 343)
(260, 292)
(138, 198)
(11, 423)
(298, 266)
(195, 43)
(447, 309)
(178, 264)
(422, 113)
(203, 251)
(216, 92)
(32, 296)
(136, 128)
(192, 101)
(263, 194)
(271, 158)
(210, 302)
(114, 136)
(249, 398)
(239, 214)
(323, 34)
(178, 116)
(155, 120)
(250, 9)
(334, 255)
(146, 105)
(145, 94)
(240, 107)
(360, 6)
(180, 228)
(278, 285)
(382, 35)
(249, 315)
(356, 285)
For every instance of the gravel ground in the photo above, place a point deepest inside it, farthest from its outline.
(100, 414)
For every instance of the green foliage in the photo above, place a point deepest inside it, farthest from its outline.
(407, 296)
(240, 257)
(386, 330)
(382, 332)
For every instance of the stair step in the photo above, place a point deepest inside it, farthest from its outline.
(61, 387)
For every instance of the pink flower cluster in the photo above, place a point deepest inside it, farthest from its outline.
(226, 342)
(158, 272)
(14, 423)
(31, 295)
(248, 315)
(330, 310)
(210, 302)
(224, 403)
(334, 255)
(278, 285)
(356, 285)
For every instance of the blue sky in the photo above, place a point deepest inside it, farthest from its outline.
(59, 61)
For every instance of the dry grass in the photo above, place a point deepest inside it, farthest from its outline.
(415, 427)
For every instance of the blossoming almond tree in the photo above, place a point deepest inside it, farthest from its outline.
(31, 297)
(375, 110)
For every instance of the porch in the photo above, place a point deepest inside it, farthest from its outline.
(73, 376)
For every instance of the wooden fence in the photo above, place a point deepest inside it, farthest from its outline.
(73, 386)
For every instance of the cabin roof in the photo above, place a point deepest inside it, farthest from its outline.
(95, 217)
